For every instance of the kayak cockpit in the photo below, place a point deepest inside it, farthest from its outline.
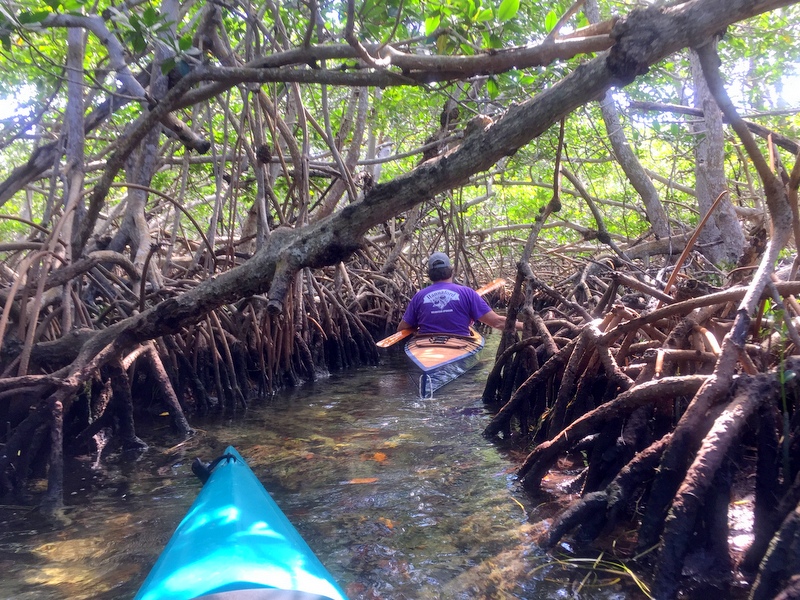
(442, 357)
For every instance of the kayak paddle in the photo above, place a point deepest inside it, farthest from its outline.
(491, 286)
(394, 338)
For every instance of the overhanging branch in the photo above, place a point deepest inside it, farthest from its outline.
(642, 39)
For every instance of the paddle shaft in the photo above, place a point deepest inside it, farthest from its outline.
(491, 286)
(394, 338)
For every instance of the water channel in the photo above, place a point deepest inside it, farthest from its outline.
(400, 498)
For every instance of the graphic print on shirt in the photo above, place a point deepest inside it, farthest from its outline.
(441, 298)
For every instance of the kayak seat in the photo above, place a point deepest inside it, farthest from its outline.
(451, 341)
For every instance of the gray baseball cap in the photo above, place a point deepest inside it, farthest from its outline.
(438, 260)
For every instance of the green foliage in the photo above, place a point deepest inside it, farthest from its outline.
(507, 10)
(492, 87)
(550, 21)
(758, 55)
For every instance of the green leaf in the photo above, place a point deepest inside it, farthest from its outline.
(431, 24)
(550, 21)
(492, 88)
(527, 80)
(470, 9)
(167, 66)
(54, 4)
(373, 31)
(507, 10)
(149, 16)
(27, 18)
(72, 6)
(185, 42)
(138, 43)
(484, 15)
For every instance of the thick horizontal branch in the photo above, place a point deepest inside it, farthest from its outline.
(643, 38)
(405, 69)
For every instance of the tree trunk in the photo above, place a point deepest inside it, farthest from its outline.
(633, 168)
(54, 498)
(722, 238)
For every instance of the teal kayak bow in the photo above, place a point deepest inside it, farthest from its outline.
(235, 543)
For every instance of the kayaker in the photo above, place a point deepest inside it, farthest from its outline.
(447, 307)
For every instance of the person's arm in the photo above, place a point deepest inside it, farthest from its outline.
(410, 315)
(403, 325)
(492, 319)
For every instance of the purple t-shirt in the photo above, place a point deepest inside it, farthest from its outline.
(445, 308)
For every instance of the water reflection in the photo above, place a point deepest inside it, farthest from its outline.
(400, 498)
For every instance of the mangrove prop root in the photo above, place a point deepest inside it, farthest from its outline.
(681, 522)
(28, 457)
(569, 382)
(791, 591)
(775, 517)
(171, 400)
(122, 404)
(590, 507)
(540, 327)
(527, 389)
(189, 374)
(780, 560)
(686, 439)
(18, 449)
(625, 445)
(54, 497)
(511, 375)
(544, 455)
(766, 514)
(616, 497)
(495, 377)
(224, 349)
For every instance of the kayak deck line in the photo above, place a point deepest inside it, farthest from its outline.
(235, 543)
(263, 594)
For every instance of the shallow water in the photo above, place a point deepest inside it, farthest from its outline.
(400, 498)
